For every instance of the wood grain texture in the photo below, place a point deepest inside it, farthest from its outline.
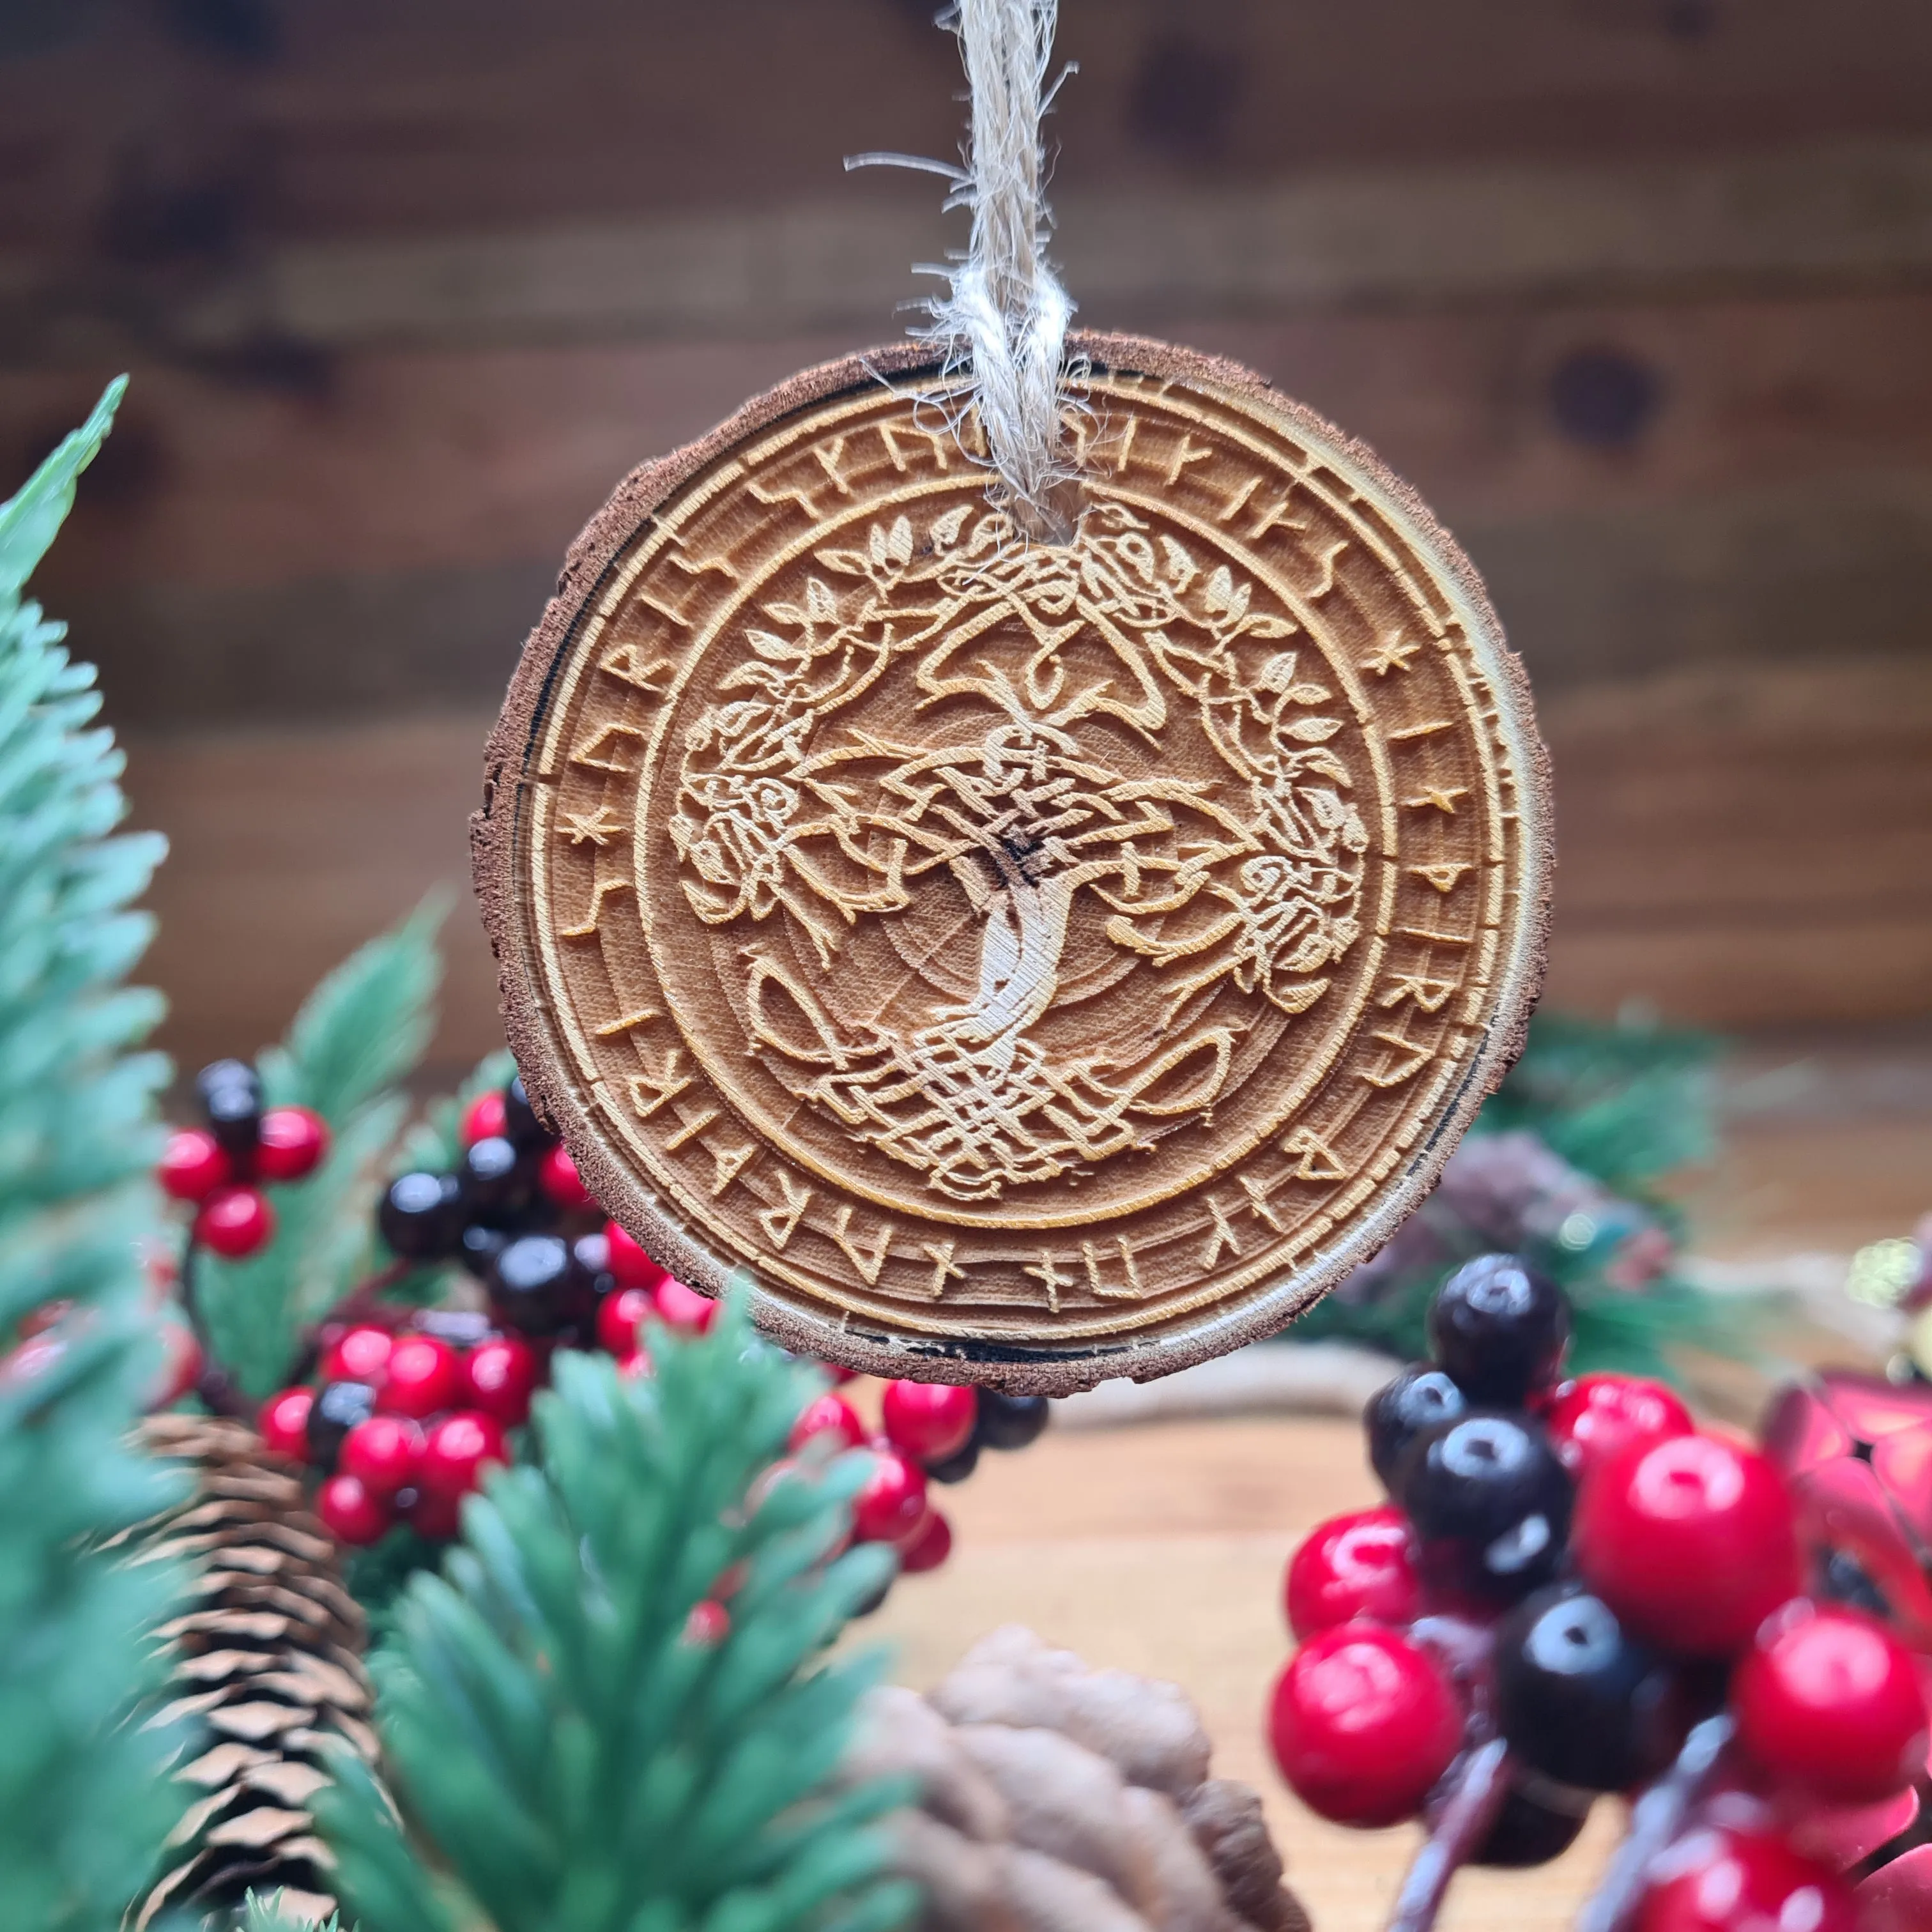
(1738, 849)
(445, 458)
(454, 113)
(261, 556)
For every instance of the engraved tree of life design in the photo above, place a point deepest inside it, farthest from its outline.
(1056, 782)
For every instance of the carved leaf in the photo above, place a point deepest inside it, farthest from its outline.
(1311, 730)
(845, 563)
(821, 606)
(946, 531)
(1182, 570)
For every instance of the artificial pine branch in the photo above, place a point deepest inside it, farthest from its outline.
(1626, 1101)
(1561, 1168)
(358, 1037)
(575, 1757)
(83, 1808)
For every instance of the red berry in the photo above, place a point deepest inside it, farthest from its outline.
(1715, 1880)
(618, 1316)
(431, 1514)
(1361, 1565)
(455, 1450)
(422, 1376)
(930, 1420)
(1594, 1417)
(684, 1308)
(500, 1376)
(193, 1165)
(381, 1453)
(892, 1505)
(557, 1176)
(294, 1142)
(708, 1624)
(358, 1355)
(1362, 1725)
(483, 1119)
(636, 1366)
(828, 1414)
(283, 1422)
(629, 1265)
(352, 1511)
(1691, 1540)
(1829, 1702)
(931, 1545)
(235, 1221)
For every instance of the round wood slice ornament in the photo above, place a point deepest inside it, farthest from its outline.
(1020, 962)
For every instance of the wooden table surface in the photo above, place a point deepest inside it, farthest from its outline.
(1160, 1550)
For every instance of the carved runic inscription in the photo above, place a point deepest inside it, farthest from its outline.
(1026, 954)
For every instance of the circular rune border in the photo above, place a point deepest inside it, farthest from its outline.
(1017, 963)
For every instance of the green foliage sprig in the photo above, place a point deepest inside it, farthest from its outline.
(573, 1759)
(83, 1808)
(358, 1037)
(1627, 1101)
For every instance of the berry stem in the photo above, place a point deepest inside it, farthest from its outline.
(1476, 1787)
(1656, 1819)
(215, 1385)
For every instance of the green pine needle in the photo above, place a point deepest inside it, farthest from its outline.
(357, 1038)
(572, 1761)
(83, 1805)
(1626, 1101)
(266, 1915)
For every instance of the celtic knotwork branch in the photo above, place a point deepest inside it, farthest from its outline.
(1036, 666)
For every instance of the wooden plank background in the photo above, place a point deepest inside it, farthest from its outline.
(1639, 292)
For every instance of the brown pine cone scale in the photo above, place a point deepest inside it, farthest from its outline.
(266, 1668)
(1056, 1798)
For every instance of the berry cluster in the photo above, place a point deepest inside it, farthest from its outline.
(928, 1431)
(219, 1168)
(408, 1409)
(1574, 1591)
(404, 1421)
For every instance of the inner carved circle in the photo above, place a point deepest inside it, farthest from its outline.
(1119, 785)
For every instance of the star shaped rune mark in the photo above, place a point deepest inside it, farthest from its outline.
(597, 825)
(1443, 800)
(1394, 654)
(1442, 877)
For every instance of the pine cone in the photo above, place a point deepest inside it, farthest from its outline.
(1056, 1798)
(266, 1664)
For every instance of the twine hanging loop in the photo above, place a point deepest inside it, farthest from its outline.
(1005, 310)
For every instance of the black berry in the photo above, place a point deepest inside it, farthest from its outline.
(1846, 1580)
(1418, 1399)
(1578, 1698)
(956, 1467)
(336, 1410)
(421, 1216)
(1490, 1503)
(496, 1185)
(1008, 1421)
(520, 1124)
(1500, 1329)
(592, 1255)
(230, 1092)
(1529, 1832)
(480, 1246)
(537, 1288)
